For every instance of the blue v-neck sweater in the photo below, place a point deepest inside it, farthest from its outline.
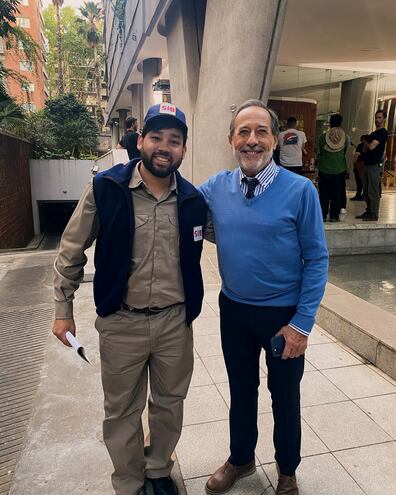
(272, 248)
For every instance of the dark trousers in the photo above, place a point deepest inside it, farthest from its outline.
(372, 188)
(331, 190)
(343, 193)
(359, 182)
(245, 331)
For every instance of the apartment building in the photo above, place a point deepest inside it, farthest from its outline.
(33, 94)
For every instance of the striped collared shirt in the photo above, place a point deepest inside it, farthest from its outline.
(266, 177)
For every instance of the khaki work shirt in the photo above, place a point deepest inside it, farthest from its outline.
(155, 278)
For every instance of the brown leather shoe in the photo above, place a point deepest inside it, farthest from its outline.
(226, 476)
(287, 485)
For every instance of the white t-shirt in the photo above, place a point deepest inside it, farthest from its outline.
(291, 143)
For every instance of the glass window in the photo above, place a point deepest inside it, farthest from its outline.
(313, 94)
(23, 22)
(25, 2)
(29, 107)
(25, 66)
(28, 87)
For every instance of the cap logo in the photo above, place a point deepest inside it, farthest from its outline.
(167, 108)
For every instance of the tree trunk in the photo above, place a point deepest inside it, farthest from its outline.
(61, 84)
(99, 116)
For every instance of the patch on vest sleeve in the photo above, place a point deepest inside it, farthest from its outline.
(197, 233)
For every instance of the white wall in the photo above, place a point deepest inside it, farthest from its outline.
(112, 157)
(57, 180)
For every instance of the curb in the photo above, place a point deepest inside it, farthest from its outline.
(365, 328)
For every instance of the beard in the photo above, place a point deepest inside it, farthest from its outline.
(157, 171)
(253, 167)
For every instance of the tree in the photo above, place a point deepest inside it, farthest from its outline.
(82, 64)
(61, 85)
(74, 52)
(92, 14)
(64, 129)
(41, 132)
(11, 114)
(75, 129)
(8, 9)
(16, 39)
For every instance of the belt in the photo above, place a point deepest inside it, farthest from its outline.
(148, 311)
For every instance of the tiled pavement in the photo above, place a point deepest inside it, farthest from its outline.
(387, 213)
(349, 420)
(348, 416)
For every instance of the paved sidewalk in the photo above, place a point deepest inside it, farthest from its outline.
(349, 424)
(348, 411)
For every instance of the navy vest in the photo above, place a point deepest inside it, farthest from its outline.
(115, 239)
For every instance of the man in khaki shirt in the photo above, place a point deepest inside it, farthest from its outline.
(148, 225)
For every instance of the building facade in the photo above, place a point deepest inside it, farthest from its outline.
(304, 58)
(33, 93)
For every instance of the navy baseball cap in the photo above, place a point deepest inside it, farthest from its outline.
(168, 115)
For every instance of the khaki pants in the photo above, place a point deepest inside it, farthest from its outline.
(131, 346)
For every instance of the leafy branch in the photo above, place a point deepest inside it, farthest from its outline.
(118, 7)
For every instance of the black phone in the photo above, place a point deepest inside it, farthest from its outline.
(278, 345)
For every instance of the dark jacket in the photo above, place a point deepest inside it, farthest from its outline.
(115, 239)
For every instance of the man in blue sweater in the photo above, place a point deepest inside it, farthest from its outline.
(273, 262)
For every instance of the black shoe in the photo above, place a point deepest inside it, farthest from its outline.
(164, 486)
(335, 220)
(370, 218)
(357, 198)
(363, 215)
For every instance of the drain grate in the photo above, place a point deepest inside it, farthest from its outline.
(23, 335)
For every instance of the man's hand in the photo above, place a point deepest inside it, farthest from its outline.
(296, 342)
(60, 327)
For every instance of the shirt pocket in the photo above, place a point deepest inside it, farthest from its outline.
(141, 240)
(173, 236)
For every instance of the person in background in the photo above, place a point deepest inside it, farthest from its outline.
(373, 154)
(358, 168)
(130, 139)
(292, 147)
(332, 167)
(344, 198)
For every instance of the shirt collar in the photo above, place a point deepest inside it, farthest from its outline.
(137, 180)
(264, 176)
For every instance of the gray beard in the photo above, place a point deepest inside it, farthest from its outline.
(262, 163)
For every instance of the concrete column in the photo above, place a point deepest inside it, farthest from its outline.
(184, 26)
(122, 115)
(357, 106)
(137, 102)
(237, 64)
(115, 137)
(152, 68)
